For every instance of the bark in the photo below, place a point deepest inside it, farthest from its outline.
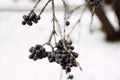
(108, 29)
(108, 2)
(116, 6)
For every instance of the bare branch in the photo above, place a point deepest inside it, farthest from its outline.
(44, 7)
(34, 7)
(73, 10)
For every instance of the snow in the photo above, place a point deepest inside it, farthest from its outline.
(98, 58)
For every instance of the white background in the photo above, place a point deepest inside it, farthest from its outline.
(99, 59)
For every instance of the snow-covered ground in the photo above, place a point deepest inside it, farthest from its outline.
(99, 59)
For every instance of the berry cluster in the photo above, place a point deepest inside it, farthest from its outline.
(37, 52)
(66, 57)
(29, 19)
(95, 3)
(63, 56)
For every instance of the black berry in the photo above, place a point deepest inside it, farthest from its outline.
(23, 22)
(67, 23)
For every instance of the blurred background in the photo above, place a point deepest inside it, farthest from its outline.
(99, 50)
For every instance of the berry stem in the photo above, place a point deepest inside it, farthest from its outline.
(78, 21)
(53, 13)
(59, 27)
(93, 11)
(34, 7)
(78, 64)
(53, 20)
(48, 43)
(53, 32)
(64, 46)
(73, 10)
(65, 17)
(44, 7)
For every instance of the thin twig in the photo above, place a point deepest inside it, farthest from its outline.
(48, 43)
(65, 16)
(73, 10)
(53, 33)
(64, 30)
(78, 64)
(53, 13)
(78, 21)
(54, 18)
(34, 7)
(59, 27)
(93, 11)
(44, 7)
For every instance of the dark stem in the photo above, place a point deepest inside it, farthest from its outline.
(65, 17)
(59, 27)
(93, 12)
(78, 21)
(72, 11)
(54, 18)
(53, 32)
(34, 7)
(44, 7)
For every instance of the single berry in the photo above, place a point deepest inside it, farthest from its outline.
(25, 17)
(72, 58)
(23, 22)
(71, 47)
(63, 56)
(58, 55)
(37, 46)
(67, 23)
(51, 59)
(38, 17)
(70, 77)
(37, 51)
(35, 58)
(71, 64)
(68, 46)
(63, 67)
(68, 69)
(45, 54)
(29, 23)
(57, 51)
(62, 64)
(31, 56)
(49, 55)
(69, 42)
(35, 20)
(57, 60)
(42, 49)
(64, 52)
(31, 49)
(67, 60)
(75, 55)
(75, 64)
